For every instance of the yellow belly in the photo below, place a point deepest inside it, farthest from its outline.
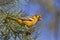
(29, 23)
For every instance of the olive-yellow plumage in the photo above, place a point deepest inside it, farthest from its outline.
(28, 21)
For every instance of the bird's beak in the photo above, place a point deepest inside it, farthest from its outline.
(40, 17)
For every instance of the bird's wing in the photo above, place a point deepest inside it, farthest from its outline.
(28, 18)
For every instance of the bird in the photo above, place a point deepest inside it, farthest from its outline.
(27, 21)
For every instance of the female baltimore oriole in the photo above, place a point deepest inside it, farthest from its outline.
(28, 21)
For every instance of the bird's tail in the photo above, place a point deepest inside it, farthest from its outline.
(14, 19)
(7, 19)
(10, 18)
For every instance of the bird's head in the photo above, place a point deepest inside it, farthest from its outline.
(38, 16)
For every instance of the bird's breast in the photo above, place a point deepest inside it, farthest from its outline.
(30, 23)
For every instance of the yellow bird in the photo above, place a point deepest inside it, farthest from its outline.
(28, 21)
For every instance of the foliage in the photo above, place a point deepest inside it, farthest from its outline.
(10, 28)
